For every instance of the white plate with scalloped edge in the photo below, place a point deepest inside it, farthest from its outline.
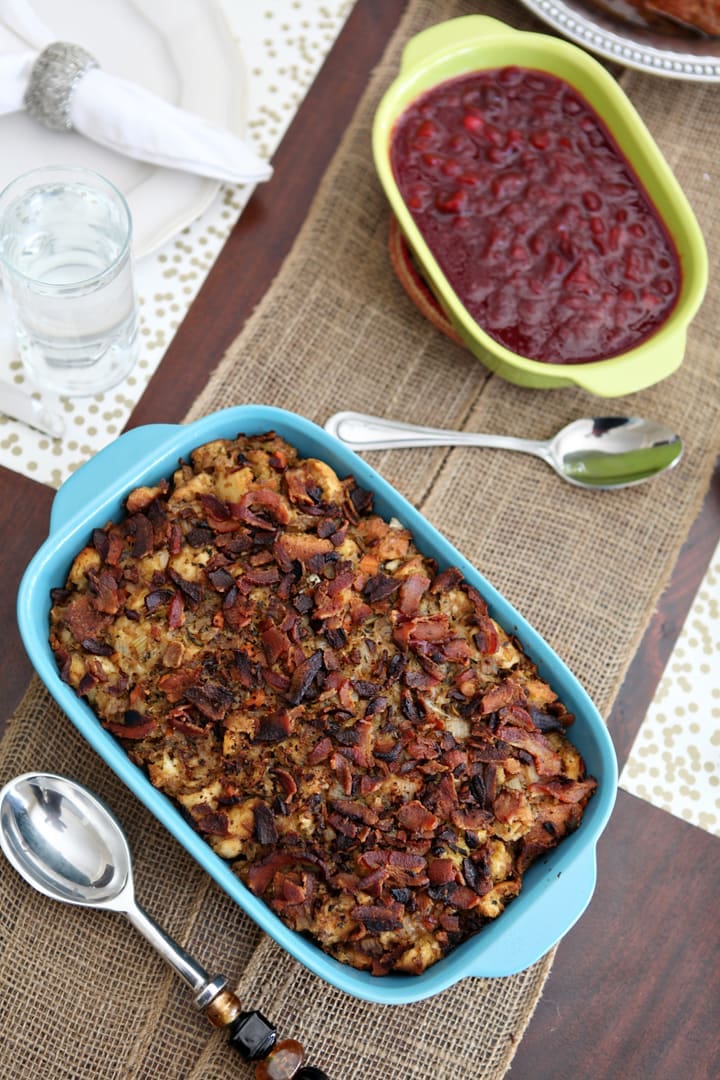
(182, 50)
(671, 55)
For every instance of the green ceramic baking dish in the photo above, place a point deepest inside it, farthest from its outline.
(475, 43)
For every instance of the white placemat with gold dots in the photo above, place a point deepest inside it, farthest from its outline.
(675, 759)
(282, 44)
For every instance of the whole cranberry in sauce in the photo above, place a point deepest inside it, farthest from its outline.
(535, 216)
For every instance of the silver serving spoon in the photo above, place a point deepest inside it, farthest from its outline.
(602, 452)
(66, 843)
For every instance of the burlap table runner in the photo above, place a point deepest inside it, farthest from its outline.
(81, 994)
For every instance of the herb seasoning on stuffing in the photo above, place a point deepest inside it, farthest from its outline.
(342, 721)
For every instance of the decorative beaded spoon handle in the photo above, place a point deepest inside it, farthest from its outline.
(66, 843)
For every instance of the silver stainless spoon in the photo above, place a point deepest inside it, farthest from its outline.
(601, 452)
(66, 843)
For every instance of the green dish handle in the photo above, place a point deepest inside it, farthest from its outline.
(601, 380)
(449, 35)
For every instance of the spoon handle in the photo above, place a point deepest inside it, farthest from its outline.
(180, 961)
(250, 1033)
(362, 432)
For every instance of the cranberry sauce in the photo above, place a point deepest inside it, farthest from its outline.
(535, 216)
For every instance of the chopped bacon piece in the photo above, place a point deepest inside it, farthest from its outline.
(483, 785)
(97, 648)
(423, 749)
(107, 593)
(176, 611)
(412, 590)
(273, 728)
(174, 684)
(217, 513)
(547, 761)
(373, 859)
(261, 874)
(356, 810)
(406, 860)
(265, 827)
(275, 643)
(441, 871)
(373, 883)
(508, 692)
(446, 580)
(445, 797)
(380, 587)
(142, 532)
(286, 781)
(211, 699)
(116, 545)
(268, 576)
(455, 651)
(302, 546)
(462, 898)
(83, 619)
(157, 598)
(416, 818)
(266, 502)
(210, 821)
(477, 872)
(471, 818)
(136, 730)
(376, 919)
(173, 655)
(180, 719)
(361, 752)
(236, 610)
(486, 636)
(191, 590)
(516, 716)
(566, 790)
(276, 679)
(303, 676)
(510, 805)
(320, 752)
(291, 892)
(221, 580)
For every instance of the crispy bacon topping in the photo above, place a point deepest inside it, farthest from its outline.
(265, 828)
(344, 723)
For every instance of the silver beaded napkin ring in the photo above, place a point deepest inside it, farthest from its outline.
(55, 74)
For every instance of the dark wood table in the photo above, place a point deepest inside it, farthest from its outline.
(634, 991)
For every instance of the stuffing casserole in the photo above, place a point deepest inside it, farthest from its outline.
(340, 719)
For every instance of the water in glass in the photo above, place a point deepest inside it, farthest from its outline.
(68, 276)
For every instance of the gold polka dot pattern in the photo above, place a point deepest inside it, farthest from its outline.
(675, 760)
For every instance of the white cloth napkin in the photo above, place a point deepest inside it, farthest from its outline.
(122, 115)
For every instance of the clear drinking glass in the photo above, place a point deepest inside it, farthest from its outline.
(65, 237)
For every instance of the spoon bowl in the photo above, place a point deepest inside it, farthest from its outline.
(601, 452)
(65, 842)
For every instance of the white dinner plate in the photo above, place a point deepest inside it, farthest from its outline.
(183, 51)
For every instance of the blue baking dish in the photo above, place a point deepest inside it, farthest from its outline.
(557, 889)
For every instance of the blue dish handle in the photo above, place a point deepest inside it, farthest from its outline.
(91, 479)
(554, 914)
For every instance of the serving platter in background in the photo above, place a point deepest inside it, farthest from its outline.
(609, 30)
